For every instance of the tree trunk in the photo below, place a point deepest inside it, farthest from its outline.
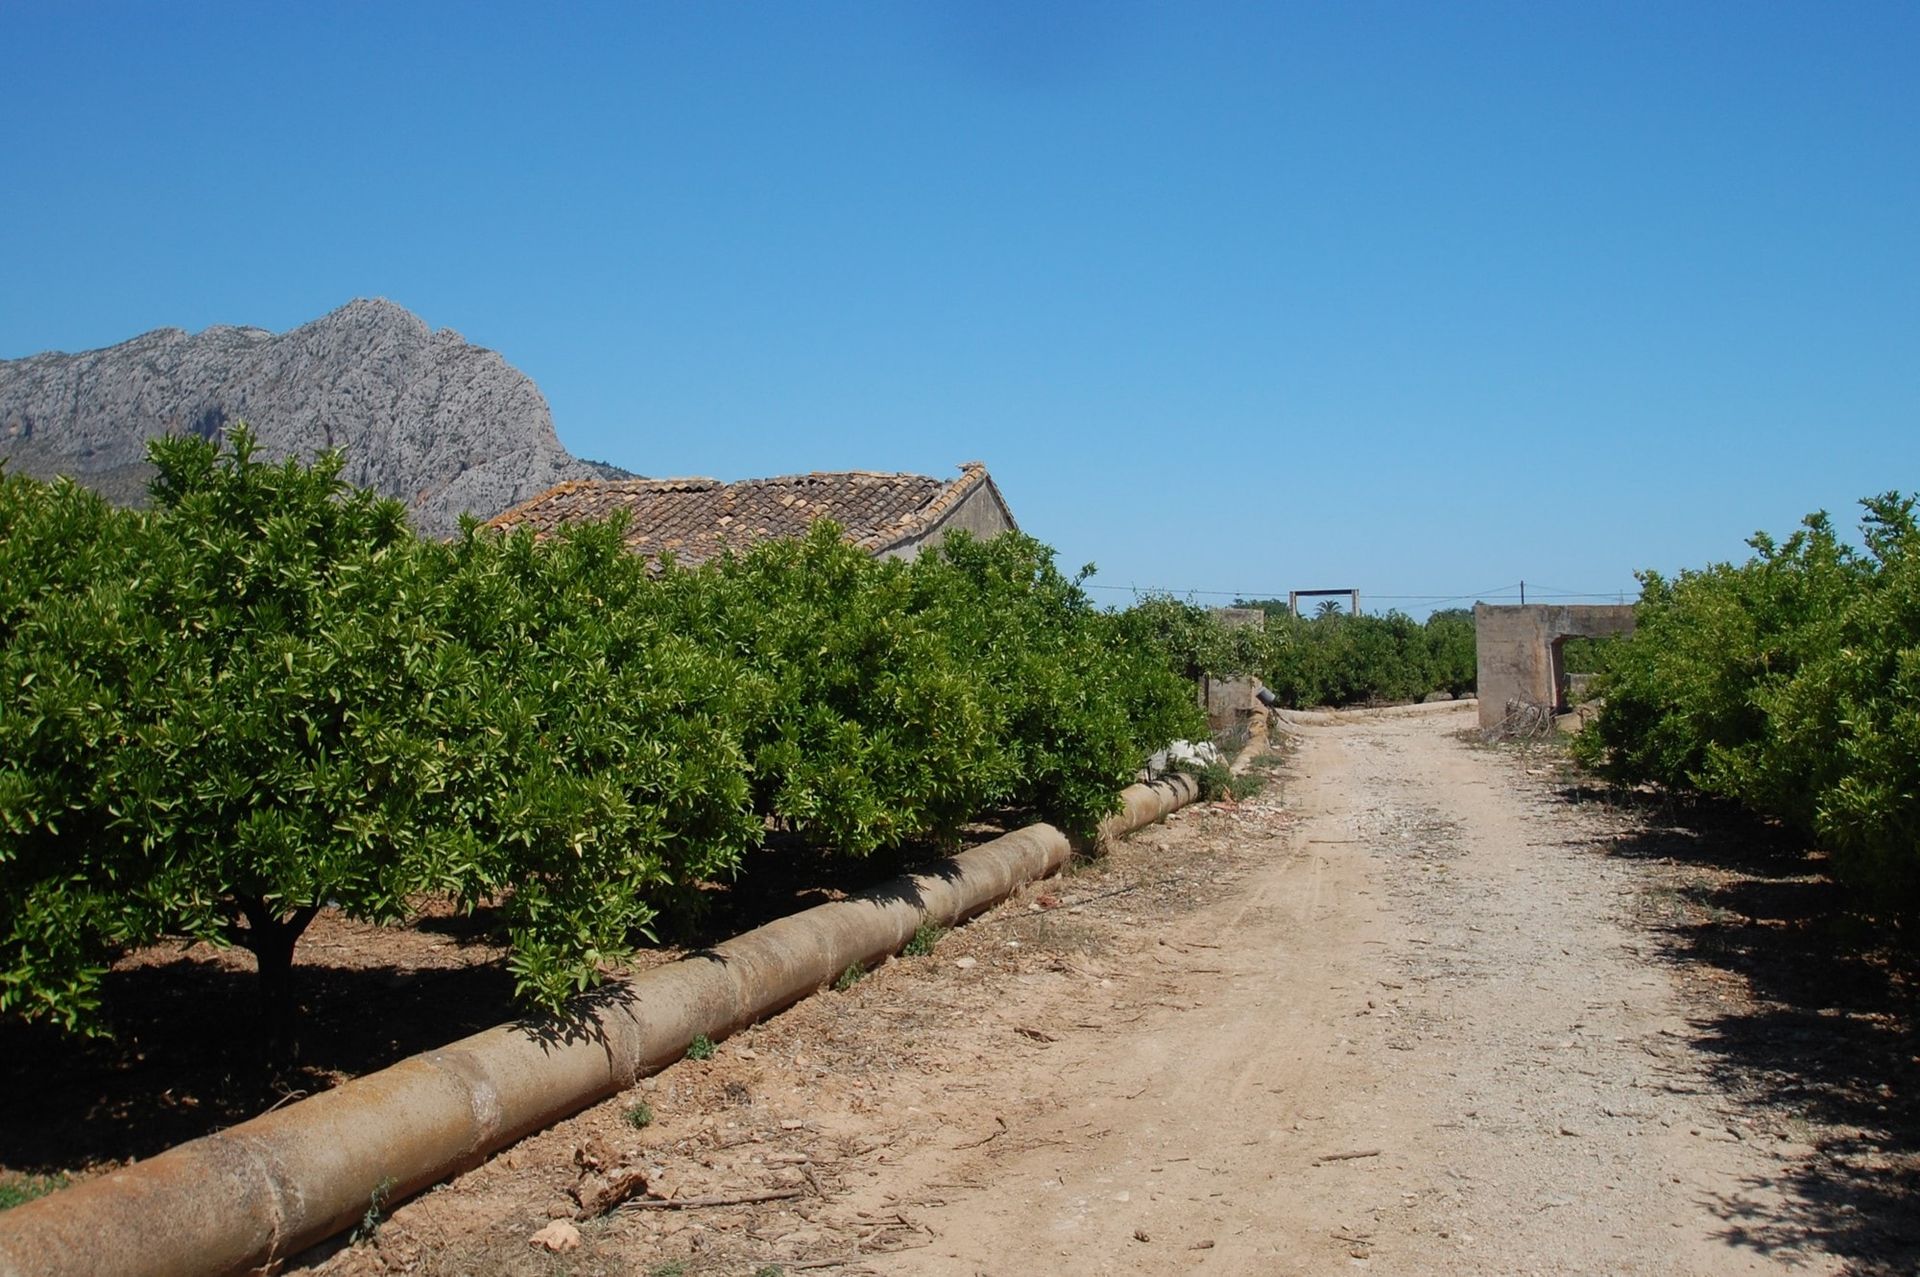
(272, 938)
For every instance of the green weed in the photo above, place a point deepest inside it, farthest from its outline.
(376, 1211)
(1246, 785)
(18, 1189)
(1215, 778)
(701, 1048)
(925, 937)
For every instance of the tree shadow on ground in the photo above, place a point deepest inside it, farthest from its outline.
(1821, 1043)
(184, 1057)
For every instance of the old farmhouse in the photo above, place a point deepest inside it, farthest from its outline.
(889, 515)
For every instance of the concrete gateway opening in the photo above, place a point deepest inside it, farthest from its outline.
(1522, 669)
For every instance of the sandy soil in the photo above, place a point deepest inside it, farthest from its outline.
(1408, 1010)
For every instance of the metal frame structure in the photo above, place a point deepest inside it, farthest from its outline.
(1294, 597)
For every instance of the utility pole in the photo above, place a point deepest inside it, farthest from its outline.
(1523, 594)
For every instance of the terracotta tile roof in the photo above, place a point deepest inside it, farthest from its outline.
(698, 519)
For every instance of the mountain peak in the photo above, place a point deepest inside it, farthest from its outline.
(372, 312)
(445, 426)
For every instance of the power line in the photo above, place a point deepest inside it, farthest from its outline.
(1495, 592)
(1273, 594)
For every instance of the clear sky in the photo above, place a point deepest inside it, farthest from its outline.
(1420, 298)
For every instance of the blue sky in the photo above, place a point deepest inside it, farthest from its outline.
(1419, 298)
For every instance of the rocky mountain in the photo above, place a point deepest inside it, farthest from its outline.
(445, 426)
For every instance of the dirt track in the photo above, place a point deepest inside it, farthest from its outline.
(1399, 1013)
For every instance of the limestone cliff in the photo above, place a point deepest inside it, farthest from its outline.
(445, 426)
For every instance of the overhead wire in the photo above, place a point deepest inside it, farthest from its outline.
(1436, 599)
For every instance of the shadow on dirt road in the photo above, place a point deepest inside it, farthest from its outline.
(1807, 1016)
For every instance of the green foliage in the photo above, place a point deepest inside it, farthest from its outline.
(266, 696)
(1790, 684)
(640, 1115)
(1361, 659)
(1333, 658)
(1586, 655)
(206, 730)
(16, 1190)
(701, 1048)
(1246, 785)
(867, 730)
(853, 975)
(1075, 702)
(1452, 653)
(600, 767)
(375, 1213)
(1194, 640)
(1215, 778)
(73, 672)
(925, 937)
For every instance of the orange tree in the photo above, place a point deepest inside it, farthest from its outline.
(211, 734)
(1077, 697)
(1789, 684)
(266, 696)
(598, 770)
(74, 670)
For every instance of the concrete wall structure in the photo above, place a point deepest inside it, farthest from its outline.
(1233, 702)
(1519, 654)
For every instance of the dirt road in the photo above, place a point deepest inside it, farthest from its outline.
(1423, 1038)
(1399, 1013)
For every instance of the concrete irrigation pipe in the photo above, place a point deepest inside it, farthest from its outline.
(249, 1196)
